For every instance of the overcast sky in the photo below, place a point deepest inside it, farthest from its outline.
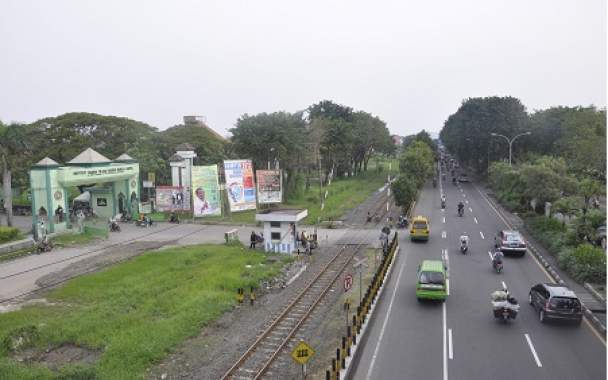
(409, 62)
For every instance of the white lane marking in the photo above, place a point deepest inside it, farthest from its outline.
(466, 201)
(442, 210)
(464, 195)
(533, 350)
(490, 254)
(446, 259)
(444, 234)
(383, 329)
(504, 286)
(481, 233)
(470, 209)
(461, 190)
(444, 219)
(475, 219)
(445, 356)
(451, 351)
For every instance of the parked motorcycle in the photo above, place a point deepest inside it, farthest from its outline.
(44, 245)
(113, 225)
(173, 218)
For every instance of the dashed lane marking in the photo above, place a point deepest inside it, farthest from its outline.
(451, 348)
(538, 363)
(470, 209)
(444, 234)
(444, 219)
(475, 219)
(481, 233)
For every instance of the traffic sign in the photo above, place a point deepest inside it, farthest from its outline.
(348, 282)
(302, 353)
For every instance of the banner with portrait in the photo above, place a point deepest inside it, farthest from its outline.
(206, 191)
(240, 185)
(172, 198)
(269, 186)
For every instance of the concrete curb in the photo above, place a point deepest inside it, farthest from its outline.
(595, 322)
(16, 245)
(595, 293)
(361, 338)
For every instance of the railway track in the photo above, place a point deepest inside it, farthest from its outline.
(125, 242)
(261, 357)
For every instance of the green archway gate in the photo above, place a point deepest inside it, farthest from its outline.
(113, 186)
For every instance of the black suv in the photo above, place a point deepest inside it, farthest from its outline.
(554, 301)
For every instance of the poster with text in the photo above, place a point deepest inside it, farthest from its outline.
(269, 186)
(172, 198)
(240, 185)
(206, 195)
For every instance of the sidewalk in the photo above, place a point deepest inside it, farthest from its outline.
(590, 302)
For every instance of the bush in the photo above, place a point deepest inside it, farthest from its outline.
(584, 263)
(8, 234)
(548, 231)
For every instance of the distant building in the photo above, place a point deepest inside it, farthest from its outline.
(202, 122)
(397, 140)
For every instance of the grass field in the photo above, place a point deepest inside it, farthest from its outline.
(133, 313)
(72, 239)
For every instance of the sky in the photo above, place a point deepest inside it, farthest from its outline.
(411, 63)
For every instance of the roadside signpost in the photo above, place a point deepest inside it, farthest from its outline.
(348, 282)
(359, 267)
(301, 354)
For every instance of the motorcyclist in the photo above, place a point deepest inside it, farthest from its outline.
(497, 258)
(460, 208)
(464, 242)
(443, 200)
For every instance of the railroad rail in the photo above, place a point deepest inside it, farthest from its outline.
(260, 356)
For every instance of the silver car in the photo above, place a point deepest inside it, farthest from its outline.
(510, 242)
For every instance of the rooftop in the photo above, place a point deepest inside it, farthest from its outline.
(89, 156)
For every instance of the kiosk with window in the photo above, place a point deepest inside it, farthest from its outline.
(280, 229)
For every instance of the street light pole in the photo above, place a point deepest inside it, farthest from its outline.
(510, 142)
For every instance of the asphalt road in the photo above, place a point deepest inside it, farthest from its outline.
(460, 339)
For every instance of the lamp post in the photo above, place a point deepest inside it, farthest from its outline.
(510, 141)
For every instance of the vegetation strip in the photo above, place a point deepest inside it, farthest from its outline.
(132, 313)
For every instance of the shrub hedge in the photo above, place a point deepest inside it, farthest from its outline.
(584, 263)
(9, 234)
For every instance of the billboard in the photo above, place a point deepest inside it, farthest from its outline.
(240, 185)
(172, 198)
(269, 186)
(206, 197)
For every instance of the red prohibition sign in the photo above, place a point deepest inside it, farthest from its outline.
(348, 282)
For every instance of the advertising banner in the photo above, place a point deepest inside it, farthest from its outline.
(240, 185)
(269, 186)
(206, 191)
(172, 198)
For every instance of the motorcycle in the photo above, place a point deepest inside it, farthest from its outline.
(504, 306)
(145, 222)
(497, 265)
(113, 226)
(443, 204)
(464, 248)
(174, 218)
(460, 211)
(402, 223)
(44, 245)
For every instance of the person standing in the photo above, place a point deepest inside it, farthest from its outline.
(252, 240)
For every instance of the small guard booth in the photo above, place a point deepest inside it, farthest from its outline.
(280, 229)
(112, 187)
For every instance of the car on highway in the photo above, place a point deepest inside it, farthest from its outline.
(554, 301)
(420, 229)
(463, 177)
(431, 281)
(510, 241)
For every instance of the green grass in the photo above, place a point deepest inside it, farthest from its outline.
(135, 312)
(72, 238)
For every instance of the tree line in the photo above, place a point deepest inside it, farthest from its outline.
(325, 138)
(577, 134)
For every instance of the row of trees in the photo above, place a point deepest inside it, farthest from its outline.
(325, 137)
(416, 165)
(578, 134)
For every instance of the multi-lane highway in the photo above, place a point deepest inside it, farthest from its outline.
(460, 339)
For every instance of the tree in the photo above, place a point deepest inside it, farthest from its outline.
(588, 188)
(567, 206)
(404, 190)
(417, 161)
(466, 133)
(13, 149)
(326, 109)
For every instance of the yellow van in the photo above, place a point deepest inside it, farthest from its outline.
(420, 229)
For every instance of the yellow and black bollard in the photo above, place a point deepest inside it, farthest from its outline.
(252, 296)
